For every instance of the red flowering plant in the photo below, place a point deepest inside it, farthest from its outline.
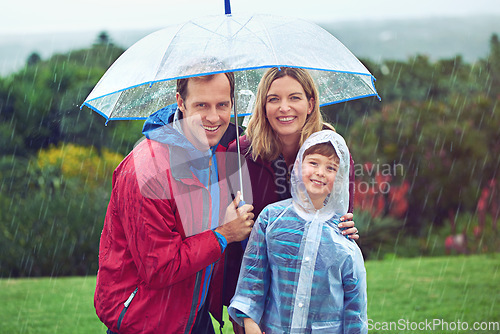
(380, 206)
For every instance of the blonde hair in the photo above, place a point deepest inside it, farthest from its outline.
(264, 142)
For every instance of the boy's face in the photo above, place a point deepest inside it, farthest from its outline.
(318, 175)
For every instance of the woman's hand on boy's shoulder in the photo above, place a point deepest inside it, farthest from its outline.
(347, 226)
(251, 327)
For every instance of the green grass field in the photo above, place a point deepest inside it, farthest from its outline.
(403, 295)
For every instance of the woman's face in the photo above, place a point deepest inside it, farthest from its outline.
(287, 107)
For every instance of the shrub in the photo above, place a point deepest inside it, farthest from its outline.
(51, 220)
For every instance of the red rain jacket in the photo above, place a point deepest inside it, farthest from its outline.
(144, 251)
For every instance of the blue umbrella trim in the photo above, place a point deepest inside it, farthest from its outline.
(232, 116)
(373, 79)
(151, 83)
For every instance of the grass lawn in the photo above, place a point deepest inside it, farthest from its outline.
(403, 294)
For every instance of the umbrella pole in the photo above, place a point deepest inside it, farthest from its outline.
(227, 6)
(238, 151)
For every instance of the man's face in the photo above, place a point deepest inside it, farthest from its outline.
(206, 110)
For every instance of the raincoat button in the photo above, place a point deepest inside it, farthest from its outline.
(307, 258)
(301, 304)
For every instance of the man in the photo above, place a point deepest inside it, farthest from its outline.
(167, 226)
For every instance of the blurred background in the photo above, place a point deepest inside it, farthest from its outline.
(426, 157)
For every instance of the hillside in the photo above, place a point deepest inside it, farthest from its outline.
(437, 38)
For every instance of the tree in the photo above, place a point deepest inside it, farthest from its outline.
(33, 59)
(448, 150)
(103, 39)
(41, 108)
(493, 64)
(52, 210)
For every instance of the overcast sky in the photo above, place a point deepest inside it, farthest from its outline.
(34, 16)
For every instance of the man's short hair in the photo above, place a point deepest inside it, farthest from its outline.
(183, 83)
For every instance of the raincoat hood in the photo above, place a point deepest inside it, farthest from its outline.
(159, 118)
(160, 127)
(336, 204)
(299, 273)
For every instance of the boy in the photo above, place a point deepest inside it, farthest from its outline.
(299, 274)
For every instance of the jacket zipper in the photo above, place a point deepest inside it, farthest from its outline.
(194, 303)
(125, 308)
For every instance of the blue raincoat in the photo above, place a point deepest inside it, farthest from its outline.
(299, 273)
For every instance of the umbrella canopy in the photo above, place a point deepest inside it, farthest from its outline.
(143, 78)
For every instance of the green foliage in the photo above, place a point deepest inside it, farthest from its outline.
(476, 240)
(53, 198)
(417, 80)
(493, 64)
(377, 234)
(438, 119)
(103, 38)
(33, 59)
(448, 151)
(40, 104)
(53, 210)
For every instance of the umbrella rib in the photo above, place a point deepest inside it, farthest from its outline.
(216, 33)
(270, 43)
(238, 43)
(213, 32)
(160, 64)
(243, 26)
(252, 32)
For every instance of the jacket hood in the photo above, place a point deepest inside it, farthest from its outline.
(159, 118)
(159, 127)
(166, 116)
(336, 204)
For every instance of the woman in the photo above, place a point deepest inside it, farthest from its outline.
(285, 115)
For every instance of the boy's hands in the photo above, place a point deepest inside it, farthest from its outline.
(350, 230)
(251, 326)
(238, 222)
(237, 329)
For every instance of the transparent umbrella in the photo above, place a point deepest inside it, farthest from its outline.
(143, 78)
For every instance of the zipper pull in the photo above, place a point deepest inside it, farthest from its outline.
(129, 300)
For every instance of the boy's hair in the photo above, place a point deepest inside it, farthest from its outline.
(325, 149)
